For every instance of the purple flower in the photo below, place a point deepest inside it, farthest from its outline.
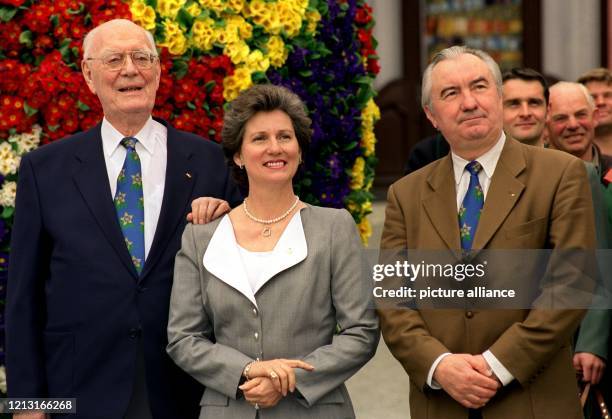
(334, 165)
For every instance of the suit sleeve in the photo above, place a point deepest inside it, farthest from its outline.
(231, 193)
(190, 330)
(356, 341)
(25, 307)
(594, 332)
(527, 346)
(404, 330)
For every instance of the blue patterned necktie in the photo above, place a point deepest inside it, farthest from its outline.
(469, 213)
(129, 203)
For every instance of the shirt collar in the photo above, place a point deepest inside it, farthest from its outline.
(111, 138)
(488, 160)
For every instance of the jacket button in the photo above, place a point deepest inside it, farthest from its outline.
(256, 336)
(469, 314)
(255, 312)
(134, 332)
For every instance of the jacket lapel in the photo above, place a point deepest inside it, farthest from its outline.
(180, 180)
(440, 205)
(504, 191)
(91, 179)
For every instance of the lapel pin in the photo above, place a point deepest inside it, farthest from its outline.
(188, 175)
(512, 194)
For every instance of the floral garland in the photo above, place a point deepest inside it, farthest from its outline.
(210, 50)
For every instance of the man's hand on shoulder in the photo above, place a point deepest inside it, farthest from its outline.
(206, 209)
(590, 365)
(467, 379)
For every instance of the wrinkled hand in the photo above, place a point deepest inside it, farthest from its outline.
(280, 372)
(206, 209)
(30, 415)
(467, 379)
(261, 391)
(590, 365)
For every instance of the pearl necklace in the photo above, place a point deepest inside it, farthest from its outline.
(267, 231)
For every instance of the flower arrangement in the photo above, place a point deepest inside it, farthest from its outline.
(209, 50)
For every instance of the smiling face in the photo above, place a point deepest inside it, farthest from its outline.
(127, 95)
(570, 121)
(465, 105)
(601, 92)
(524, 110)
(270, 151)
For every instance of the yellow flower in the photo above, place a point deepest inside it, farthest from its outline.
(143, 15)
(290, 17)
(257, 62)
(237, 51)
(236, 6)
(227, 35)
(244, 28)
(194, 10)
(368, 142)
(232, 85)
(217, 6)
(203, 34)
(255, 8)
(358, 174)
(174, 40)
(312, 17)
(365, 230)
(169, 8)
(370, 114)
(277, 53)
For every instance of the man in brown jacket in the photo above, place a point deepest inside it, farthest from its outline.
(513, 363)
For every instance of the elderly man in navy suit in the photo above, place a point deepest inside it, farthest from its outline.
(99, 218)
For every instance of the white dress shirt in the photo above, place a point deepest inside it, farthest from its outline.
(152, 151)
(488, 162)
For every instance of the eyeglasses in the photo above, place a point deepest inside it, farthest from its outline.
(115, 60)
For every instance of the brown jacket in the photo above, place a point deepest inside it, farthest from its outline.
(534, 201)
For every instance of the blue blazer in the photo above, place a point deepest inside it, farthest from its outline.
(76, 307)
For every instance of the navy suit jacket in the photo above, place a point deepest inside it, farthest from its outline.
(76, 307)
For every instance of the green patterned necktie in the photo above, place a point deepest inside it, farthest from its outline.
(129, 203)
(469, 213)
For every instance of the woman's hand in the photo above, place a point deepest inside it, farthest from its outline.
(261, 391)
(207, 209)
(280, 372)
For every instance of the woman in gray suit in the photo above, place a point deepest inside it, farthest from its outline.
(270, 303)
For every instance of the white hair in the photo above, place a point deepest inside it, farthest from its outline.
(87, 41)
(453, 53)
(570, 84)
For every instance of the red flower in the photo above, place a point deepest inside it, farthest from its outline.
(373, 66)
(15, 3)
(363, 15)
(38, 18)
(9, 34)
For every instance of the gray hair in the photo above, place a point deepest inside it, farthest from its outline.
(569, 84)
(453, 53)
(87, 41)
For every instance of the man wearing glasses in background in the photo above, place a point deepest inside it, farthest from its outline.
(99, 217)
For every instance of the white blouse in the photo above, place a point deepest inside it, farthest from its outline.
(248, 271)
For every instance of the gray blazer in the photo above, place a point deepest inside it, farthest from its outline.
(314, 308)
